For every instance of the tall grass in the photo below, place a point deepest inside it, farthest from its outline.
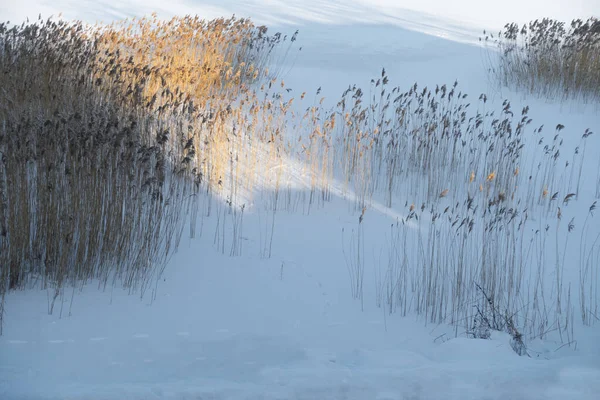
(107, 135)
(488, 225)
(547, 58)
(110, 135)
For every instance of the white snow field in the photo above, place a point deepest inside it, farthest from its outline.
(288, 326)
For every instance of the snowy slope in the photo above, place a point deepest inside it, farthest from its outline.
(450, 19)
(245, 328)
(287, 327)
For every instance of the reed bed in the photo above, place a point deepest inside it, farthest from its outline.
(547, 58)
(111, 136)
(488, 225)
(107, 136)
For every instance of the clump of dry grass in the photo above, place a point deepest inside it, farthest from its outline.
(479, 212)
(427, 142)
(548, 59)
(106, 134)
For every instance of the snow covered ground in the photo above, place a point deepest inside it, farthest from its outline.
(287, 327)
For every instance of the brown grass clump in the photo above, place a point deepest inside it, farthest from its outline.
(548, 59)
(423, 139)
(469, 193)
(106, 132)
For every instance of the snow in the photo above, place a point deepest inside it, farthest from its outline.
(455, 19)
(287, 327)
(242, 328)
